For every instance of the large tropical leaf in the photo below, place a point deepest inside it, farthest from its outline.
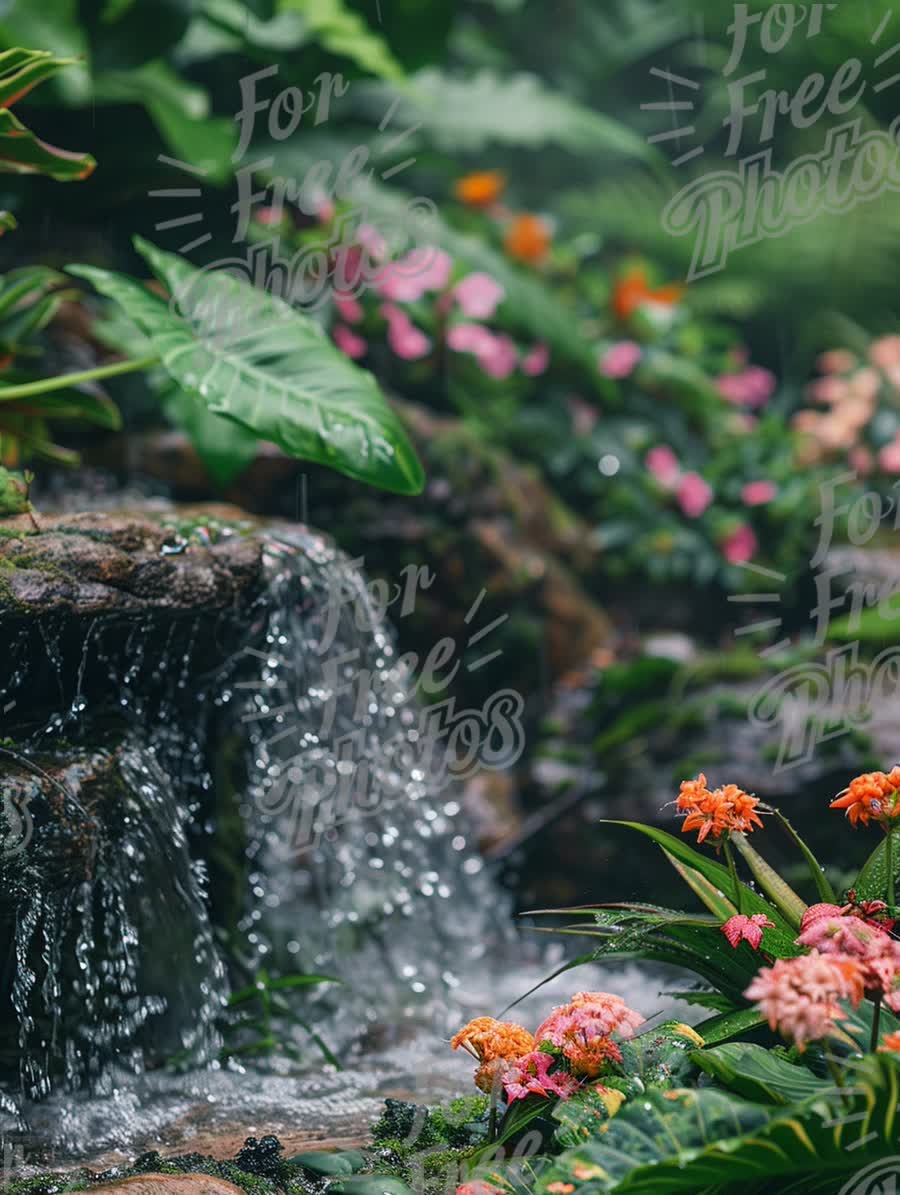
(21, 70)
(760, 1074)
(250, 356)
(707, 1141)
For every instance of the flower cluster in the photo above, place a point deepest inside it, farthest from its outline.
(574, 1045)
(800, 997)
(874, 796)
(851, 390)
(716, 812)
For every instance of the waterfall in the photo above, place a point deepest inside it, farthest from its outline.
(309, 730)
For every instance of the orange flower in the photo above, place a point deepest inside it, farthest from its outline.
(716, 812)
(872, 796)
(480, 189)
(486, 1039)
(528, 239)
(890, 1041)
(632, 291)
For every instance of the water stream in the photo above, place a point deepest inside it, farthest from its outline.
(283, 812)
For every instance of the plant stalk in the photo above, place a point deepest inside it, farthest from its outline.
(732, 868)
(889, 860)
(63, 381)
(876, 1025)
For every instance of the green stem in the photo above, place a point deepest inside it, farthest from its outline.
(876, 1025)
(63, 381)
(823, 886)
(889, 860)
(729, 855)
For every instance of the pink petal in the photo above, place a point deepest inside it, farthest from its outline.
(348, 342)
(757, 493)
(694, 495)
(663, 464)
(478, 295)
(620, 360)
(740, 546)
(535, 362)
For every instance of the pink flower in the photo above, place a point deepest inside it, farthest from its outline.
(348, 342)
(589, 1014)
(740, 546)
(663, 464)
(752, 388)
(814, 912)
(885, 353)
(478, 1188)
(757, 493)
(478, 295)
(741, 928)
(831, 390)
(536, 360)
(412, 276)
(861, 460)
(842, 935)
(368, 236)
(347, 307)
(799, 996)
(496, 355)
(620, 360)
(889, 457)
(529, 1076)
(836, 361)
(694, 495)
(405, 339)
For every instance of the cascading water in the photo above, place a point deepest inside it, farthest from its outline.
(286, 809)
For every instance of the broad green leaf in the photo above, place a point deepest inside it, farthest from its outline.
(226, 448)
(343, 32)
(760, 1074)
(729, 1024)
(72, 404)
(250, 356)
(23, 153)
(707, 1141)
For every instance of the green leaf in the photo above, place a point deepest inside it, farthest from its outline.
(469, 113)
(7, 222)
(343, 32)
(708, 893)
(181, 113)
(251, 357)
(729, 1024)
(760, 1074)
(718, 1144)
(872, 881)
(21, 70)
(73, 404)
(780, 941)
(124, 36)
(778, 890)
(23, 153)
(226, 448)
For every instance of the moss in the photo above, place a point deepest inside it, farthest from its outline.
(8, 599)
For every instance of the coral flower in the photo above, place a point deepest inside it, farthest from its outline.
(890, 1041)
(586, 1016)
(716, 812)
(872, 796)
(590, 1056)
(758, 493)
(478, 295)
(663, 464)
(536, 360)
(814, 912)
(348, 342)
(842, 935)
(620, 359)
(694, 495)
(740, 546)
(528, 239)
(741, 928)
(633, 290)
(800, 996)
(480, 189)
